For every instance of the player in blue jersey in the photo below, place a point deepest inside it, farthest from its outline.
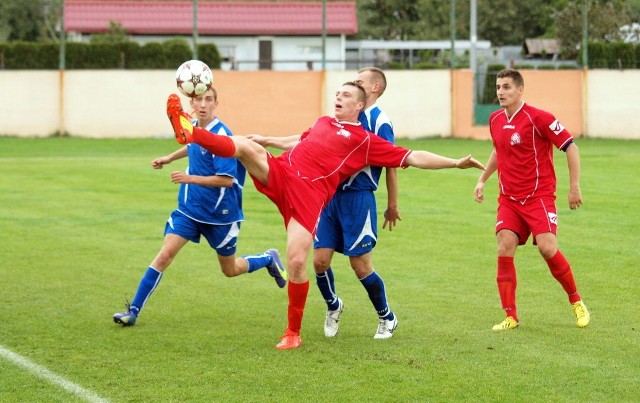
(348, 224)
(209, 205)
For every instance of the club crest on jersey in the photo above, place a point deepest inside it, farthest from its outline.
(343, 133)
(553, 218)
(556, 127)
(515, 139)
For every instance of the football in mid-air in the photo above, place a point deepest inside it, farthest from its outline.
(193, 78)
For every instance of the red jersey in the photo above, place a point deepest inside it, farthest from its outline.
(303, 180)
(332, 151)
(524, 147)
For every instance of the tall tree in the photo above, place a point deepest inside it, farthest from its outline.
(391, 19)
(604, 17)
(33, 20)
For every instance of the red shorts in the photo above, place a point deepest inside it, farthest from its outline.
(294, 196)
(537, 216)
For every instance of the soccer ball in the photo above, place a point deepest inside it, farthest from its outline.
(193, 78)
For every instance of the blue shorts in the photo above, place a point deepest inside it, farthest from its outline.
(349, 223)
(223, 238)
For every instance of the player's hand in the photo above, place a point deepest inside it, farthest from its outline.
(179, 177)
(478, 192)
(391, 216)
(575, 198)
(469, 162)
(158, 163)
(257, 138)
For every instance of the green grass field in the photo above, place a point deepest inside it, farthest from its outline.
(81, 219)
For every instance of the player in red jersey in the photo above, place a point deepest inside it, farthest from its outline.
(523, 141)
(302, 180)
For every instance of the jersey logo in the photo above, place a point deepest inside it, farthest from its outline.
(515, 139)
(556, 127)
(343, 133)
(508, 127)
(553, 218)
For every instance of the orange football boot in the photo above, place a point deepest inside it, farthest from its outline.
(289, 341)
(180, 121)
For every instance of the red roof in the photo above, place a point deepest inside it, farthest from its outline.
(214, 18)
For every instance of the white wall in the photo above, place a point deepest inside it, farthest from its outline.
(417, 102)
(30, 104)
(121, 103)
(613, 99)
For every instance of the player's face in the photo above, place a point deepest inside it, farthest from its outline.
(347, 105)
(204, 107)
(509, 95)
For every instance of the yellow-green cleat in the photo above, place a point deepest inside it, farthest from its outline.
(507, 324)
(582, 314)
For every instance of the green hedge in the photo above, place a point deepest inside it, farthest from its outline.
(613, 55)
(122, 55)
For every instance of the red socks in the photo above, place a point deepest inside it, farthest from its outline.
(561, 271)
(218, 144)
(507, 283)
(297, 300)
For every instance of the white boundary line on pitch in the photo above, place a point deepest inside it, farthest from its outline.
(50, 376)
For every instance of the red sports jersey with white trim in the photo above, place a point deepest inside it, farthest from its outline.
(524, 147)
(331, 151)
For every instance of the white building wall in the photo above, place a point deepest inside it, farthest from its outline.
(613, 103)
(125, 103)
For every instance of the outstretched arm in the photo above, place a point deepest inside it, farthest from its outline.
(573, 161)
(158, 163)
(492, 165)
(427, 160)
(283, 143)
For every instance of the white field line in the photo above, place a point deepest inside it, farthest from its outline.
(50, 376)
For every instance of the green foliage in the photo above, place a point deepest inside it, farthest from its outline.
(546, 67)
(625, 55)
(103, 55)
(428, 66)
(84, 217)
(208, 53)
(391, 19)
(176, 51)
(116, 34)
(613, 55)
(525, 67)
(21, 21)
(605, 18)
(393, 65)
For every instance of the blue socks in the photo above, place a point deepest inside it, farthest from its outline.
(378, 295)
(148, 283)
(328, 289)
(257, 261)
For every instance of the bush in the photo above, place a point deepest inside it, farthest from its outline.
(396, 66)
(624, 55)
(103, 55)
(209, 54)
(428, 66)
(176, 51)
(546, 67)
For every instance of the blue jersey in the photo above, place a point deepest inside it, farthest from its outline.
(212, 205)
(374, 120)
